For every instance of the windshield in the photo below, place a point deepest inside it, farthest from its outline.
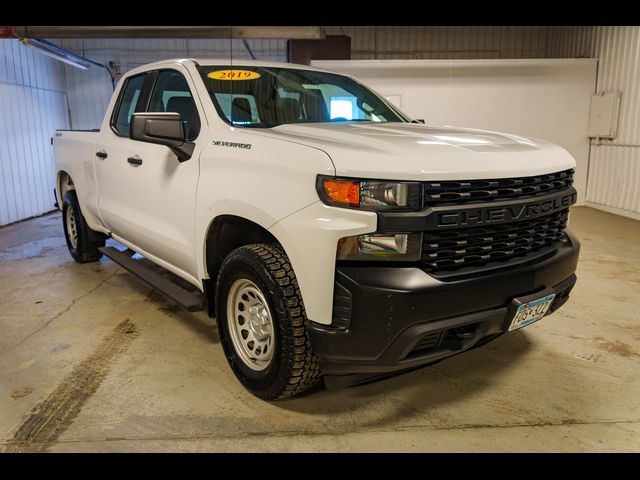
(268, 97)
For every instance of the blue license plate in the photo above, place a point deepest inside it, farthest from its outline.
(531, 312)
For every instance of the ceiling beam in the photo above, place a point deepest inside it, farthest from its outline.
(285, 32)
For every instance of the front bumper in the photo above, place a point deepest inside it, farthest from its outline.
(391, 319)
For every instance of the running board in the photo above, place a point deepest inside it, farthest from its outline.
(188, 300)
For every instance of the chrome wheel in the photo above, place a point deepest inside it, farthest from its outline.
(72, 229)
(250, 324)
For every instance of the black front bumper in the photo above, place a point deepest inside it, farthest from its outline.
(392, 319)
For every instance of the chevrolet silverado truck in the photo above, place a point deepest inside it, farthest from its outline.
(329, 233)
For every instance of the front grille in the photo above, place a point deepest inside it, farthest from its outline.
(469, 248)
(453, 249)
(474, 191)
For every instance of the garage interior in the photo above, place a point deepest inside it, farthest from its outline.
(93, 359)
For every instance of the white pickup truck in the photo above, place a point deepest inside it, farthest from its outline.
(329, 233)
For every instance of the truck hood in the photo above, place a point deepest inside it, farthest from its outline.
(408, 151)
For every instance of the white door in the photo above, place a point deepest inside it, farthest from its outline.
(112, 150)
(161, 190)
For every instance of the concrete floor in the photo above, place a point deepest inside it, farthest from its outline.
(91, 359)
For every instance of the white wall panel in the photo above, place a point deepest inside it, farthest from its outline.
(32, 106)
(541, 98)
(614, 172)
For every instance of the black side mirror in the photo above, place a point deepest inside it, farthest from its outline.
(164, 129)
(418, 120)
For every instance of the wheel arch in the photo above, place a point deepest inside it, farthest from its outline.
(64, 183)
(226, 233)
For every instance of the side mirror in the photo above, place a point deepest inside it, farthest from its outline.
(164, 129)
(419, 120)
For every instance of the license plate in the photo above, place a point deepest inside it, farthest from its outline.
(530, 312)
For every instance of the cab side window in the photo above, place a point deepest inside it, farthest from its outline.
(171, 94)
(127, 104)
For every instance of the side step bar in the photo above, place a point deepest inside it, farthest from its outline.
(188, 300)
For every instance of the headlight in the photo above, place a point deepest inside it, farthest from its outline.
(381, 246)
(370, 194)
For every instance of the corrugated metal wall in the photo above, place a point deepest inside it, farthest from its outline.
(435, 42)
(90, 90)
(32, 106)
(614, 167)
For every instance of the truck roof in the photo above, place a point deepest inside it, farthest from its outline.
(224, 62)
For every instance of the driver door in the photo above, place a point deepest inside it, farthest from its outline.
(162, 190)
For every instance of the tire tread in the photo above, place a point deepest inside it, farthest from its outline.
(305, 371)
(302, 371)
(87, 249)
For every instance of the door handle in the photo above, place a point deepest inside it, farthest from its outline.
(101, 154)
(134, 160)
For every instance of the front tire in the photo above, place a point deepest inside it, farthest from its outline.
(262, 323)
(82, 242)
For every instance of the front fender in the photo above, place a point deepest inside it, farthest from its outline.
(310, 237)
(264, 184)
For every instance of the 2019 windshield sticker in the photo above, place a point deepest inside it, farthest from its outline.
(221, 143)
(234, 75)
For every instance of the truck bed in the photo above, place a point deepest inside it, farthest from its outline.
(75, 152)
(75, 146)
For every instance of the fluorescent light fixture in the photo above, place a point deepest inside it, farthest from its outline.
(54, 51)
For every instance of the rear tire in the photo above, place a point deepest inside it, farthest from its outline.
(82, 242)
(262, 323)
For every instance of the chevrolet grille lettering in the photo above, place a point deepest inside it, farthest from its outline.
(485, 216)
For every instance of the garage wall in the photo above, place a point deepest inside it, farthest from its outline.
(614, 169)
(90, 90)
(33, 87)
(545, 98)
(614, 166)
(32, 106)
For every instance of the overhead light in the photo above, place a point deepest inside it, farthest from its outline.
(54, 51)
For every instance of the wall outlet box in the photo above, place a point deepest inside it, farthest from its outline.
(604, 112)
